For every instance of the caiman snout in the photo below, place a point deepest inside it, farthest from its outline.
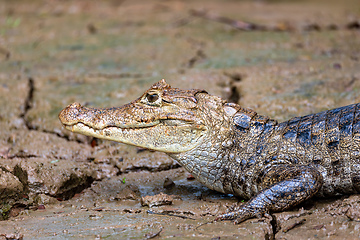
(75, 113)
(100, 118)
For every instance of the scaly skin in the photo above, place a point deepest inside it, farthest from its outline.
(234, 150)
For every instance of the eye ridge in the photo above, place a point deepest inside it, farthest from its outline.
(152, 97)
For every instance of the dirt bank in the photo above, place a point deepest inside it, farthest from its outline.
(280, 58)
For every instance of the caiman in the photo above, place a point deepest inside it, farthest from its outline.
(234, 150)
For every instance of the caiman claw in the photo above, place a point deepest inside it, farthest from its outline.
(240, 215)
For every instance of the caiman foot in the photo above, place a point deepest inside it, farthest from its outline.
(295, 184)
(242, 214)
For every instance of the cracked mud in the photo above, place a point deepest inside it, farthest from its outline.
(282, 59)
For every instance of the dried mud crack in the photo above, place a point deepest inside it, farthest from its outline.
(151, 169)
(28, 102)
(242, 25)
(234, 88)
(29, 171)
(28, 105)
(275, 226)
(200, 55)
(119, 75)
(74, 188)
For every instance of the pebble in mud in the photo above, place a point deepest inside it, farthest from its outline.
(168, 183)
(130, 192)
(14, 236)
(157, 200)
(353, 214)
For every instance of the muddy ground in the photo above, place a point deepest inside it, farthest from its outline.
(281, 58)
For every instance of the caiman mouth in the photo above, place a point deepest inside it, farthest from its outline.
(167, 134)
(122, 126)
(166, 122)
(159, 135)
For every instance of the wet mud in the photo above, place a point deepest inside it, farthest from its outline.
(280, 58)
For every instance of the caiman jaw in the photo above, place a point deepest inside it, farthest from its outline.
(119, 124)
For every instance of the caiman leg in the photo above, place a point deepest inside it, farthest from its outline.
(285, 186)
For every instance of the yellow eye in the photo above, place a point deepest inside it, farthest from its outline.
(152, 97)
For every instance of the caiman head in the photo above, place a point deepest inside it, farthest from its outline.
(165, 119)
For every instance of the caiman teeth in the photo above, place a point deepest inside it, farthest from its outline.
(124, 126)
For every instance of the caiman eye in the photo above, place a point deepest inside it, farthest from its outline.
(152, 98)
